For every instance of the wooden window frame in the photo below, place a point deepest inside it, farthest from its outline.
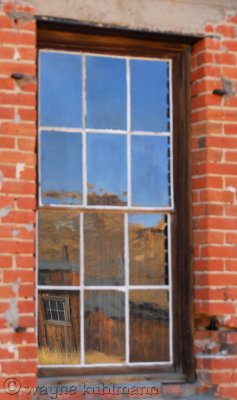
(62, 35)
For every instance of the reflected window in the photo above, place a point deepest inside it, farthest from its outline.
(105, 218)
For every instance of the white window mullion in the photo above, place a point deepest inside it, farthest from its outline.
(126, 258)
(82, 346)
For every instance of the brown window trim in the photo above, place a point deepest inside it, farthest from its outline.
(57, 34)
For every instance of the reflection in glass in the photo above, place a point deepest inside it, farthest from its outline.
(149, 96)
(104, 249)
(149, 325)
(61, 167)
(58, 248)
(106, 93)
(150, 171)
(60, 90)
(147, 249)
(106, 169)
(59, 327)
(104, 327)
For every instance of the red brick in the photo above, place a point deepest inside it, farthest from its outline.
(27, 290)
(16, 247)
(10, 68)
(23, 276)
(7, 113)
(206, 44)
(27, 352)
(7, 142)
(215, 279)
(18, 99)
(230, 265)
(18, 367)
(226, 30)
(6, 83)
(219, 308)
(209, 265)
(230, 129)
(6, 354)
(231, 210)
(208, 181)
(6, 22)
(20, 217)
(17, 38)
(27, 114)
(26, 307)
(22, 188)
(225, 58)
(216, 251)
(26, 144)
(13, 157)
(230, 45)
(209, 293)
(6, 261)
(27, 25)
(18, 129)
(9, 171)
(25, 262)
(27, 53)
(229, 392)
(28, 174)
(231, 156)
(26, 203)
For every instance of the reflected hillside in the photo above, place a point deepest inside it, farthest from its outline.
(147, 253)
(59, 247)
(54, 196)
(105, 199)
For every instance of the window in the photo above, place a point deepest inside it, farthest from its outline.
(107, 219)
(56, 309)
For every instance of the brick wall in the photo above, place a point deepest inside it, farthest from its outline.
(214, 121)
(214, 130)
(17, 195)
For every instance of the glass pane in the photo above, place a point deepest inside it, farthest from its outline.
(149, 96)
(59, 339)
(104, 249)
(58, 248)
(106, 169)
(104, 327)
(106, 93)
(60, 90)
(61, 167)
(150, 171)
(149, 325)
(148, 249)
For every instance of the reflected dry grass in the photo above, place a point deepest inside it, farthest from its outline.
(96, 357)
(47, 356)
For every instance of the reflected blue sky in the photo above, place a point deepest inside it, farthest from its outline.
(150, 167)
(60, 90)
(147, 220)
(107, 164)
(61, 167)
(149, 94)
(106, 93)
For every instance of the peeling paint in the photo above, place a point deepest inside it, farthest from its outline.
(29, 227)
(5, 211)
(12, 314)
(231, 189)
(19, 168)
(16, 56)
(17, 118)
